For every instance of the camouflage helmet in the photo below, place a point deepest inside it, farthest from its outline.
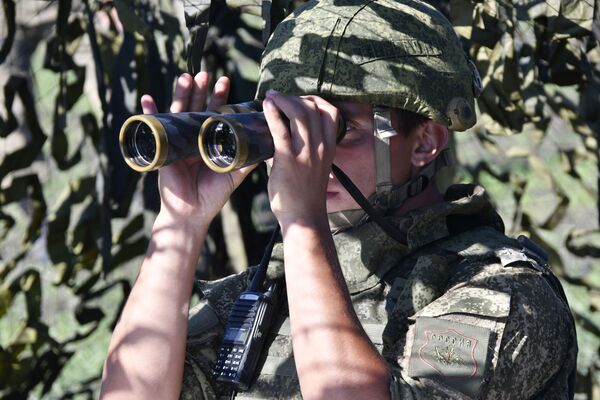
(397, 54)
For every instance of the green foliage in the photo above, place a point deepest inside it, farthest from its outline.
(68, 226)
(74, 219)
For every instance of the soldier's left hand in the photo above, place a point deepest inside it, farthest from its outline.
(304, 151)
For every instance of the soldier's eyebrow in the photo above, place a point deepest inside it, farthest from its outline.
(350, 114)
(354, 120)
(354, 114)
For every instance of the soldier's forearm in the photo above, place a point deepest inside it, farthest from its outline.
(146, 352)
(334, 357)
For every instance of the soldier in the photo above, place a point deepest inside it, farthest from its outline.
(420, 296)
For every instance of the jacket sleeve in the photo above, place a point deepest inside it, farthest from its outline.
(206, 326)
(497, 332)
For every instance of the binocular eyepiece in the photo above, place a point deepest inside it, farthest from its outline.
(235, 136)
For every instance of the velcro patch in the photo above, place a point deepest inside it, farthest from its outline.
(450, 352)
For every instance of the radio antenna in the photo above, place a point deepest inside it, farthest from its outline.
(261, 271)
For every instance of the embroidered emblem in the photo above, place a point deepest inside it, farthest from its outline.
(447, 356)
(449, 352)
(449, 348)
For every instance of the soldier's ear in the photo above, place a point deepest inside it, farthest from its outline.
(431, 140)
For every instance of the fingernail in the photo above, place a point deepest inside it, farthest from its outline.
(271, 92)
(200, 76)
(221, 83)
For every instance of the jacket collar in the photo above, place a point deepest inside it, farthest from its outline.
(366, 253)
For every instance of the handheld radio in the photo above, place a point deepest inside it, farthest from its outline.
(250, 320)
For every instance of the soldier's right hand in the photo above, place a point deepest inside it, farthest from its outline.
(190, 192)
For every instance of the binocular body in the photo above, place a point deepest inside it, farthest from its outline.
(225, 138)
(235, 136)
(148, 142)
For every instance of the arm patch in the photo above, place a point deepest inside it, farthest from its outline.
(451, 352)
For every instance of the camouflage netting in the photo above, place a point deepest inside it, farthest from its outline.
(74, 219)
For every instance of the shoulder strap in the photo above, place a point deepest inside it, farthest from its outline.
(538, 259)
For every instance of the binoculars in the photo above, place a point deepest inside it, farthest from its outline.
(234, 136)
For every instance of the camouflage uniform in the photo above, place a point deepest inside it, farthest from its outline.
(461, 311)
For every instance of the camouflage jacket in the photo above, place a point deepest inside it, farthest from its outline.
(461, 311)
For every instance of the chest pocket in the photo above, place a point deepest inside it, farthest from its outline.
(277, 377)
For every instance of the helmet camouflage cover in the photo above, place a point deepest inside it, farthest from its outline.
(397, 54)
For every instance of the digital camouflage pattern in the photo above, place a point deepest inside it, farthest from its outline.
(460, 312)
(339, 54)
(69, 213)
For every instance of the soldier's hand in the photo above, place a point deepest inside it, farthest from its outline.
(303, 156)
(190, 192)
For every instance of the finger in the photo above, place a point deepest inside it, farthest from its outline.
(181, 97)
(279, 130)
(330, 119)
(200, 88)
(240, 174)
(220, 93)
(301, 118)
(148, 105)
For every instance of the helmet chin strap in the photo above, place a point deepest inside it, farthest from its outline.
(382, 132)
(367, 208)
(387, 196)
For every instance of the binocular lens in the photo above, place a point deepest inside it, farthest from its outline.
(141, 144)
(221, 144)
